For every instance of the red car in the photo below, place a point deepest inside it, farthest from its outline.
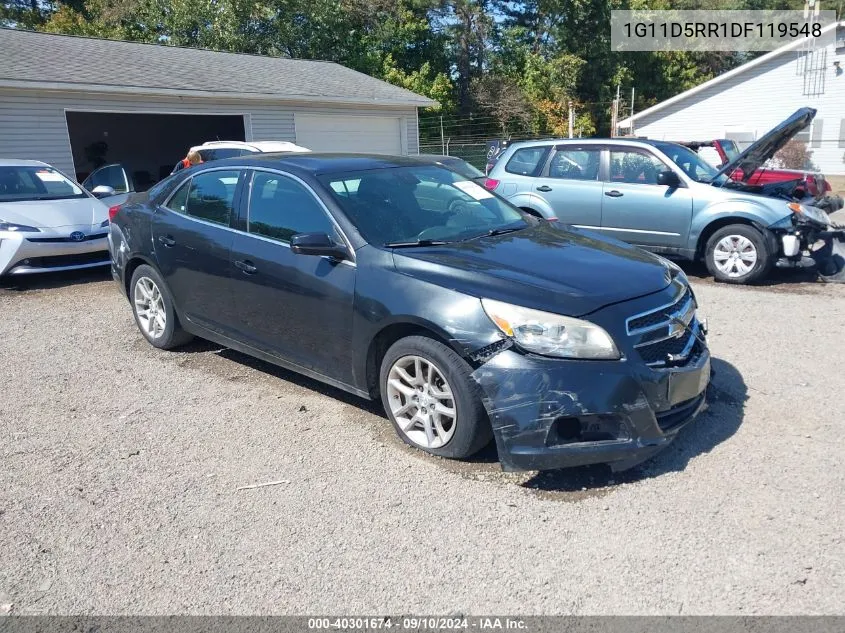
(802, 183)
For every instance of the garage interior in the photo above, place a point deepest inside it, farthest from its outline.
(149, 145)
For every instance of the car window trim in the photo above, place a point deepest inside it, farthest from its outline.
(322, 205)
(645, 150)
(235, 199)
(539, 168)
(584, 147)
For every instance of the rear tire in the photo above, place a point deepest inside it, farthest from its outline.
(152, 307)
(432, 400)
(738, 254)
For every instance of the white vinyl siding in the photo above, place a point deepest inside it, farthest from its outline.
(33, 123)
(333, 133)
(755, 101)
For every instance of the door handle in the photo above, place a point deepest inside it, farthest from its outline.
(166, 240)
(247, 266)
(544, 188)
(613, 193)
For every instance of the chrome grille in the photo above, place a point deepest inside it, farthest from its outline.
(668, 334)
(657, 317)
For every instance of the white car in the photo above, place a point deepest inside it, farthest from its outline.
(215, 150)
(47, 221)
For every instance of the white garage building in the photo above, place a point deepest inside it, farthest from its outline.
(78, 103)
(749, 100)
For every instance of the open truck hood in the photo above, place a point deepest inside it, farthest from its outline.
(768, 145)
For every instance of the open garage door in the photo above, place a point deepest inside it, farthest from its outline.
(332, 133)
(149, 145)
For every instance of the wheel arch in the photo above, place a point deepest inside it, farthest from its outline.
(719, 223)
(393, 332)
(129, 269)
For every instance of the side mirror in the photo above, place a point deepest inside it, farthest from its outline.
(317, 244)
(669, 179)
(102, 191)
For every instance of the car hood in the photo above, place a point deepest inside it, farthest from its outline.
(768, 145)
(55, 213)
(569, 272)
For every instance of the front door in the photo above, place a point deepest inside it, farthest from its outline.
(192, 242)
(297, 307)
(571, 186)
(638, 210)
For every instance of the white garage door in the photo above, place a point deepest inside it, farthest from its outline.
(331, 133)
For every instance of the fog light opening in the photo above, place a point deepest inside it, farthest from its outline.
(567, 430)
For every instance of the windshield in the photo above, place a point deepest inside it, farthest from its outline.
(730, 149)
(426, 203)
(24, 182)
(463, 168)
(691, 163)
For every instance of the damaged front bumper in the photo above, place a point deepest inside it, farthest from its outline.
(550, 413)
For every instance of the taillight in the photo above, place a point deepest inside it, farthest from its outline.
(113, 212)
(491, 183)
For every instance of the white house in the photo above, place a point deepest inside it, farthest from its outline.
(745, 102)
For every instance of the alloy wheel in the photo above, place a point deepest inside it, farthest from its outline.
(149, 307)
(735, 255)
(421, 401)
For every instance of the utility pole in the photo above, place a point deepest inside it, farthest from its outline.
(571, 119)
(614, 114)
(632, 110)
(442, 141)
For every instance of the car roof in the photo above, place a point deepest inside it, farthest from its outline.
(633, 142)
(266, 146)
(438, 157)
(20, 162)
(321, 163)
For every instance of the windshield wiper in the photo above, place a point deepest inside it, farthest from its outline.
(412, 243)
(500, 231)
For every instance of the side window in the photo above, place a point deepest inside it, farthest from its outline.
(525, 160)
(576, 164)
(211, 196)
(280, 207)
(110, 176)
(635, 167)
(179, 201)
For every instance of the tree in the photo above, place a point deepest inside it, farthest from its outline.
(503, 99)
(794, 155)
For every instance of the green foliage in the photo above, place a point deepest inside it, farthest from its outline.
(424, 81)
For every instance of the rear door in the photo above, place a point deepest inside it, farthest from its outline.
(570, 184)
(297, 307)
(638, 210)
(192, 239)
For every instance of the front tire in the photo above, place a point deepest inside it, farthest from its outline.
(432, 400)
(738, 254)
(152, 307)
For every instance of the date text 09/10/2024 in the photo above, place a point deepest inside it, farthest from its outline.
(417, 623)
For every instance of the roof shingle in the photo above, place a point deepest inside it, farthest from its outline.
(42, 60)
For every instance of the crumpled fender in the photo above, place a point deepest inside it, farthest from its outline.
(830, 260)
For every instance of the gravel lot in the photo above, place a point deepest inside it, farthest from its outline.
(120, 466)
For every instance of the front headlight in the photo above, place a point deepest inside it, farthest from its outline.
(17, 228)
(551, 334)
(814, 213)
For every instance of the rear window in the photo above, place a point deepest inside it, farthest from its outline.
(526, 160)
(223, 152)
(19, 183)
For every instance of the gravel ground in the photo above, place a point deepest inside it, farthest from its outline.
(120, 467)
